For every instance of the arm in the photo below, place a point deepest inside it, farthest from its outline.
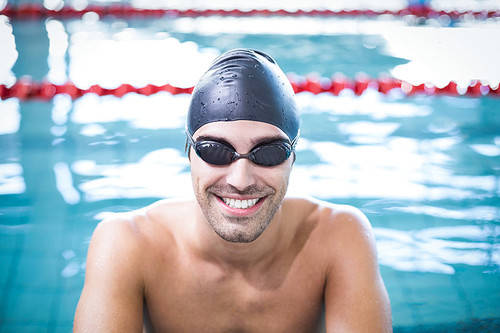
(355, 296)
(112, 297)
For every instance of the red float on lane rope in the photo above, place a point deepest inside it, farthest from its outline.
(35, 10)
(27, 89)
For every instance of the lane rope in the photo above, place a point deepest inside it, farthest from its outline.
(27, 89)
(35, 11)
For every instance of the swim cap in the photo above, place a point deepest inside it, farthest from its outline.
(244, 84)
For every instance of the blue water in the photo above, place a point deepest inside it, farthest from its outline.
(424, 169)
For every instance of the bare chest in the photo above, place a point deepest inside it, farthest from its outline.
(202, 297)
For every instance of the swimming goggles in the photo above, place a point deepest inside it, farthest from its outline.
(221, 153)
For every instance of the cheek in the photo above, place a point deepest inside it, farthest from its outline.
(279, 177)
(202, 174)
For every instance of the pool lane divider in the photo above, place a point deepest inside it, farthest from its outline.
(27, 89)
(36, 10)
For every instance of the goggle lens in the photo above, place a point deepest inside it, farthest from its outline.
(214, 152)
(271, 154)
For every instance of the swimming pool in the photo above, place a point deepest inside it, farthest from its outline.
(425, 169)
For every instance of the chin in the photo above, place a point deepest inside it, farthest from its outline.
(238, 230)
(238, 237)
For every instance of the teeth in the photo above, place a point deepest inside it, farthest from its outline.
(240, 204)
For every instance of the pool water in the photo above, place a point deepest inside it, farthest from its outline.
(424, 169)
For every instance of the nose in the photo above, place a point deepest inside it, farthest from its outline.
(241, 174)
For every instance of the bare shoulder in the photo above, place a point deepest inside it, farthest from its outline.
(344, 220)
(168, 212)
(115, 240)
(349, 234)
(341, 235)
(131, 233)
(333, 220)
(162, 213)
(116, 227)
(120, 229)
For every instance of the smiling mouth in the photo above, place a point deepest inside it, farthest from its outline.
(240, 204)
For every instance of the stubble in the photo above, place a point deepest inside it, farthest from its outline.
(239, 229)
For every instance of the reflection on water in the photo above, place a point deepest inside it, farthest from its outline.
(409, 154)
(64, 183)
(159, 111)
(436, 250)
(58, 47)
(11, 180)
(160, 173)
(481, 213)
(11, 117)
(100, 51)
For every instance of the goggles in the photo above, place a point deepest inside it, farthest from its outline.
(265, 154)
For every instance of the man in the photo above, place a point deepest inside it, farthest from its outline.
(241, 257)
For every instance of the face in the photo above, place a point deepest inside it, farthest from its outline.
(239, 200)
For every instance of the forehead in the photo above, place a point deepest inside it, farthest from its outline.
(240, 130)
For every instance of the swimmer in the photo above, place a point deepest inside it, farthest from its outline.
(240, 256)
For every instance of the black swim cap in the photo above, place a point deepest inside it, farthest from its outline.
(244, 84)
